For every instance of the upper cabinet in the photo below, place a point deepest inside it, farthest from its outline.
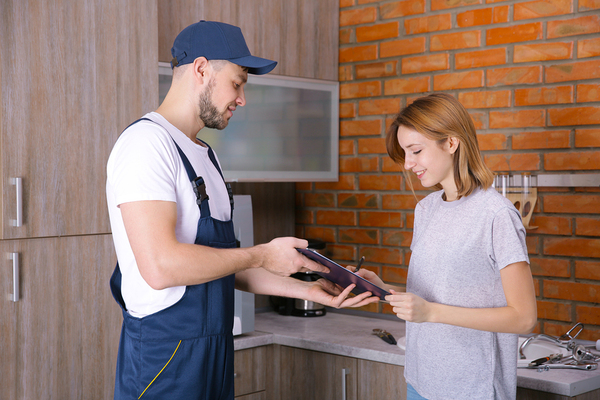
(73, 74)
(301, 35)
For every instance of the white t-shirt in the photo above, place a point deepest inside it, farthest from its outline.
(145, 165)
(458, 250)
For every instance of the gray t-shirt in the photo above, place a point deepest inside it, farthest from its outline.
(458, 250)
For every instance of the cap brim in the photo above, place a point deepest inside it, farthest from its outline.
(255, 65)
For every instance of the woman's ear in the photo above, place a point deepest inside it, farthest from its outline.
(453, 143)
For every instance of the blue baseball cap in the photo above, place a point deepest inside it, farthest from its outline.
(217, 41)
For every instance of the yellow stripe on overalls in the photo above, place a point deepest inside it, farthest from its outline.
(163, 368)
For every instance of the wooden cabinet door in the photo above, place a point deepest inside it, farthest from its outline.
(73, 75)
(64, 329)
(307, 374)
(381, 381)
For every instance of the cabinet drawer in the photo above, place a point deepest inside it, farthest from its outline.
(250, 371)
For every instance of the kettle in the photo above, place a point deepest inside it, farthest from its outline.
(301, 307)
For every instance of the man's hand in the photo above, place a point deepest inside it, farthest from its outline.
(280, 257)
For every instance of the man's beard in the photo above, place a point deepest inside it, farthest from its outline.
(209, 114)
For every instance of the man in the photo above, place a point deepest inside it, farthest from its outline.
(170, 214)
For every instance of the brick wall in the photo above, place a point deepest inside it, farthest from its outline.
(529, 74)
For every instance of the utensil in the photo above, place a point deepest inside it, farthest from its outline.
(385, 335)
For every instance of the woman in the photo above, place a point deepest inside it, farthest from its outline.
(469, 289)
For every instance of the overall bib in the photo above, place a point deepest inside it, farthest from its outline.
(186, 350)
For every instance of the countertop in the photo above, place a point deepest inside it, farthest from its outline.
(351, 335)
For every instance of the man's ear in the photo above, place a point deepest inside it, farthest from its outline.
(200, 68)
(453, 143)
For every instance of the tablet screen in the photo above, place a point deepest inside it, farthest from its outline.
(343, 276)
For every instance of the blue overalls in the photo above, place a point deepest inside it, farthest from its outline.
(186, 350)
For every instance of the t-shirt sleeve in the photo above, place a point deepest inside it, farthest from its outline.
(508, 238)
(142, 165)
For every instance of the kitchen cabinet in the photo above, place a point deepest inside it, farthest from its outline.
(380, 381)
(59, 340)
(73, 74)
(307, 374)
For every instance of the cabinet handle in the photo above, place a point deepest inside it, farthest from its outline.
(18, 182)
(15, 270)
(345, 372)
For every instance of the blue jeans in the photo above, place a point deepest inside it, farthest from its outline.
(411, 393)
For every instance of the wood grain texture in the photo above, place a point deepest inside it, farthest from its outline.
(250, 370)
(380, 381)
(73, 75)
(302, 35)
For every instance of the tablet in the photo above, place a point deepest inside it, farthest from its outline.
(342, 276)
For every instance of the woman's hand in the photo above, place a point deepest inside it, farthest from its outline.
(329, 294)
(410, 307)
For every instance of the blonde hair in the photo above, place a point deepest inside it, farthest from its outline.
(439, 117)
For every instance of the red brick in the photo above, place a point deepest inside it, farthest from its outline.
(346, 147)
(325, 234)
(492, 141)
(397, 238)
(402, 47)
(345, 182)
(359, 164)
(516, 119)
(543, 52)
(588, 47)
(572, 291)
(570, 27)
(479, 119)
(357, 200)
(513, 162)
(455, 40)
(588, 160)
(587, 227)
(458, 80)
(426, 24)
(372, 146)
(377, 32)
(431, 62)
(358, 16)
(446, 4)
(345, 73)
(586, 5)
(346, 3)
(572, 204)
(376, 70)
(334, 217)
(548, 225)
(398, 202)
(358, 53)
(303, 186)
(514, 34)
(553, 310)
(379, 182)
(541, 8)
(341, 252)
(406, 85)
(369, 127)
(379, 106)
(346, 36)
(395, 275)
(387, 219)
(480, 58)
(319, 200)
(482, 16)
(550, 267)
(347, 110)
(541, 140)
(574, 116)
(390, 166)
(536, 96)
(491, 99)
(588, 92)
(587, 138)
(382, 255)
(573, 71)
(589, 333)
(360, 89)
(401, 8)
(588, 314)
(514, 76)
(362, 236)
(587, 270)
(304, 216)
